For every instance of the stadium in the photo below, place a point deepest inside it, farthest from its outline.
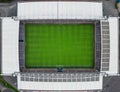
(59, 45)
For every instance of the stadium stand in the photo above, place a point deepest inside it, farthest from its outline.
(79, 21)
(22, 47)
(59, 77)
(97, 45)
(105, 44)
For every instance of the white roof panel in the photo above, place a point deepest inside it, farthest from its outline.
(37, 10)
(79, 10)
(59, 10)
(114, 45)
(10, 36)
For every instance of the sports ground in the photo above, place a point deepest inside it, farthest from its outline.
(59, 45)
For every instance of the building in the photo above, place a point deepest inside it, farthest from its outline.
(106, 42)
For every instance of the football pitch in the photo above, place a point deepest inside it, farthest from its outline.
(59, 45)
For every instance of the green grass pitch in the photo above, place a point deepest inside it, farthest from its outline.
(59, 45)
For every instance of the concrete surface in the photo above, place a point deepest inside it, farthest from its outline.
(111, 84)
(8, 9)
(7, 90)
(109, 8)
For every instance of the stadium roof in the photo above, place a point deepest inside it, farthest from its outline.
(27, 83)
(59, 10)
(114, 45)
(10, 56)
(111, 62)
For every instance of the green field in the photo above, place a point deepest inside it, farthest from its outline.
(59, 45)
